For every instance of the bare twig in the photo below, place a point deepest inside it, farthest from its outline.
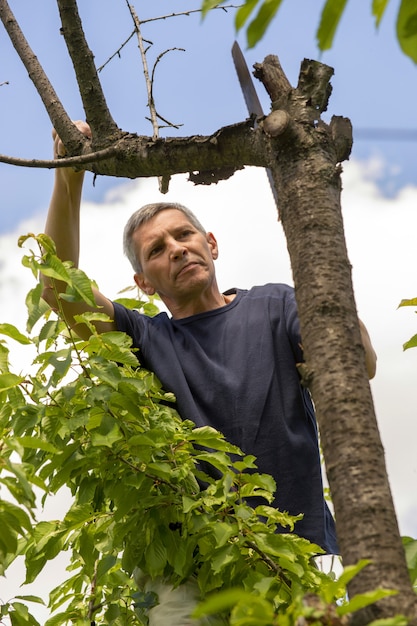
(169, 124)
(161, 17)
(163, 180)
(100, 155)
(151, 104)
(165, 17)
(117, 53)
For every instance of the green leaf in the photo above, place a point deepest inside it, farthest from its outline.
(335, 588)
(130, 303)
(409, 302)
(223, 532)
(378, 9)
(53, 267)
(36, 306)
(221, 601)
(35, 443)
(11, 331)
(8, 381)
(411, 343)
(156, 557)
(243, 13)
(17, 517)
(223, 557)
(329, 21)
(59, 619)
(258, 26)
(108, 439)
(407, 28)
(8, 537)
(150, 309)
(410, 547)
(362, 600)
(43, 240)
(51, 330)
(210, 4)
(82, 285)
(29, 598)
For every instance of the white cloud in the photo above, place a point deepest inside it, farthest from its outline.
(380, 234)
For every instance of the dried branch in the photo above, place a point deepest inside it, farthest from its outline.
(161, 17)
(94, 102)
(117, 52)
(163, 180)
(75, 161)
(158, 59)
(187, 13)
(74, 140)
(151, 104)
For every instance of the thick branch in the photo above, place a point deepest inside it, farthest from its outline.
(74, 140)
(94, 102)
(130, 156)
(230, 147)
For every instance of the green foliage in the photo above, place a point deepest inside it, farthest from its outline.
(329, 21)
(407, 28)
(330, 17)
(87, 418)
(411, 343)
(410, 546)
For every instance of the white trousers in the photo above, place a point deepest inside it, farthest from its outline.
(175, 604)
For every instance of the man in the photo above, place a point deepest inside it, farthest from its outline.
(230, 358)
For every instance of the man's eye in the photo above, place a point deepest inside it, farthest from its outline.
(154, 251)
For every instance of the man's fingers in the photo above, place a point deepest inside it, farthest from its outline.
(59, 148)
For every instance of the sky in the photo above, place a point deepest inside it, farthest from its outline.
(374, 85)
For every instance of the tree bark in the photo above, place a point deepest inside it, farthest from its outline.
(306, 172)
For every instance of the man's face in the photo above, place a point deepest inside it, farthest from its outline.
(176, 258)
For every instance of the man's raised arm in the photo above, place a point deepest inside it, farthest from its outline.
(63, 226)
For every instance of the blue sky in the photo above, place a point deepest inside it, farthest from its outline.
(374, 85)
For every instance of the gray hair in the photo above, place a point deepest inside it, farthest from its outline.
(143, 215)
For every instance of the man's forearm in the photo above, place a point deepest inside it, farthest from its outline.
(370, 354)
(63, 221)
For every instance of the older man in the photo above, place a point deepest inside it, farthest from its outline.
(230, 358)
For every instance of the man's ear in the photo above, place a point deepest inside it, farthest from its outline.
(143, 284)
(212, 242)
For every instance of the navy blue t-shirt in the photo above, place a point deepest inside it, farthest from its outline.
(234, 368)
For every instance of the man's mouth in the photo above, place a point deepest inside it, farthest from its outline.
(186, 268)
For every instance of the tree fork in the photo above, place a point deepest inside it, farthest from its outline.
(307, 178)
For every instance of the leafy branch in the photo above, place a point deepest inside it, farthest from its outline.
(411, 343)
(144, 496)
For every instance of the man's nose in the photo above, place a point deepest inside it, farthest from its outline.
(177, 250)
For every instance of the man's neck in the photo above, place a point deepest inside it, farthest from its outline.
(180, 310)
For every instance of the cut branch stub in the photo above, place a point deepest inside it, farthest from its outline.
(313, 89)
(341, 129)
(273, 78)
(275, 123)
(314, 84)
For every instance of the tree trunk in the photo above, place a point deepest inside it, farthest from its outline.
(304, 163)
